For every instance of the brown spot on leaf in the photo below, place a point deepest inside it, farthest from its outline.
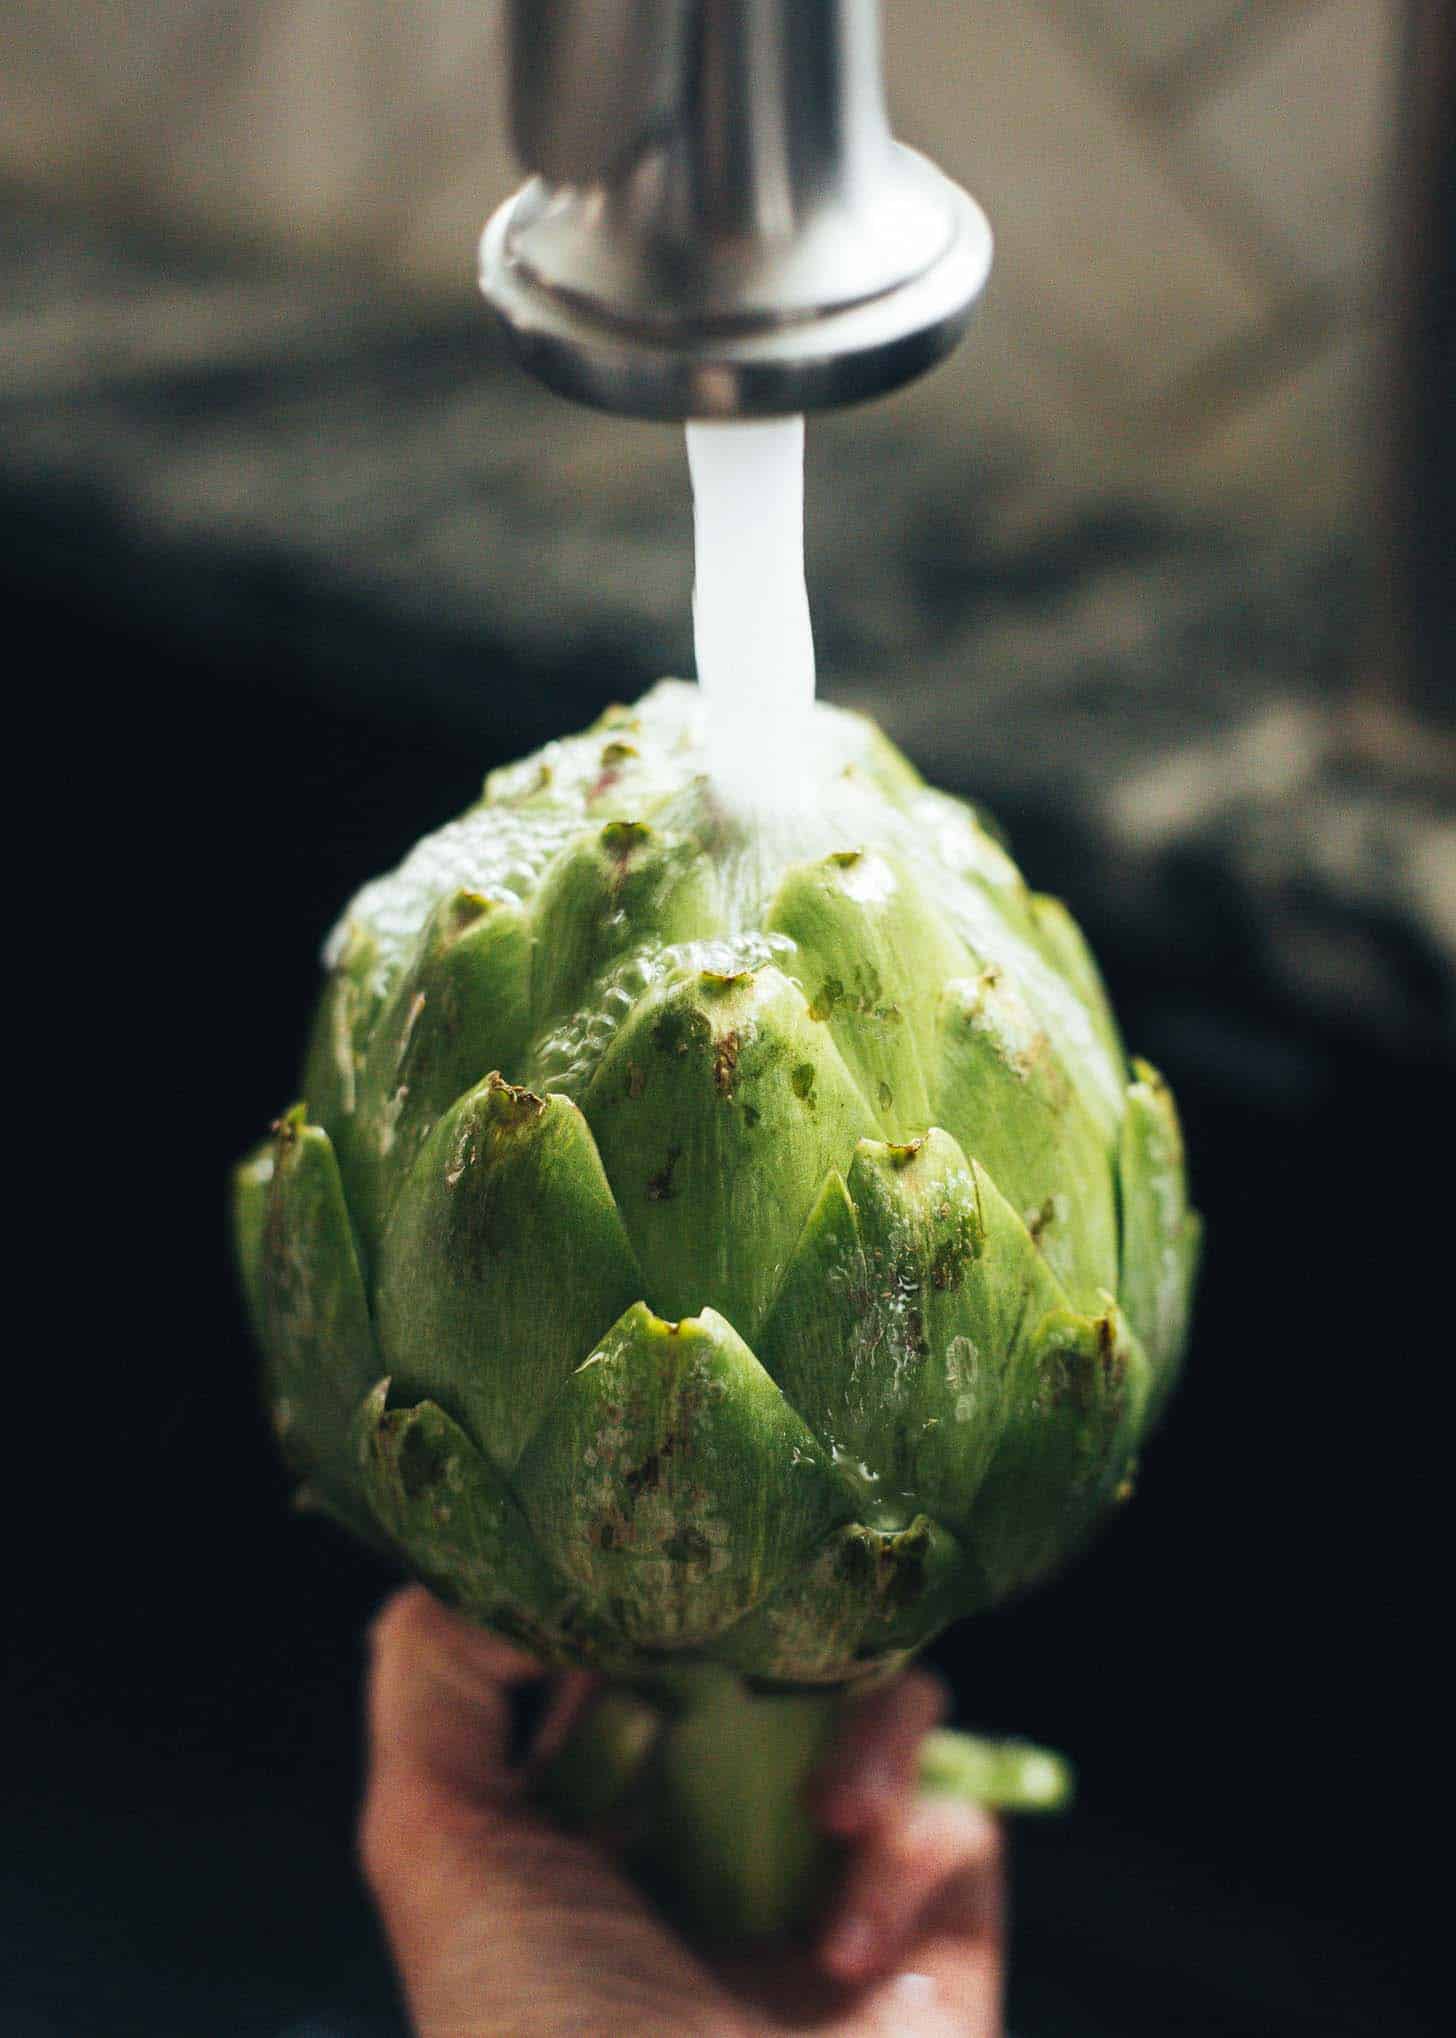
(948, 1265)
(855, 1560)
(636, 1079)
(725, 1063)
(1089, 1380)
(830, 993)
(512, 1106)
(648, 1474)
(1111, 1359)
(621, 838)
(688, 1546)
(1037, 1220)
(287, 1129)
(680, 1028)
(902, 1568)
(465, 910)
(659, 1186)
(419, 1461)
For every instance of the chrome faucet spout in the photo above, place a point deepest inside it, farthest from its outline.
(719, 221)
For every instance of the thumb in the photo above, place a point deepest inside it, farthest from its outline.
(439, 1710)
(498, 1921)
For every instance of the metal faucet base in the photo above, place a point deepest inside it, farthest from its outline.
(661, 361)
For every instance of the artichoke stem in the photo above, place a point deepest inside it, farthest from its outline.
(718, 1833)
(706, 1784)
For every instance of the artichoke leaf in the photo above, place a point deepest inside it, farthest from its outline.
(490, 850)
(718, 1109)
(347, 1012)
(451, 1517)
(624, 765)
(880, 761)
(252, 1180)
(627, 887)
(1064, 945)
(503, 1259)
(1005, 1096)
(1077, 1410)
(871, 955)
(308, 1293)
(672, 1482)
(952, 835)
(457, 1012)
(898, 1330)
(1160, 1236)
(865, 1599)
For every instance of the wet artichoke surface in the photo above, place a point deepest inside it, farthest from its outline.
(706, 1239)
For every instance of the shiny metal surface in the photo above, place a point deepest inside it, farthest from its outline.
(720, 222)
(587, 79)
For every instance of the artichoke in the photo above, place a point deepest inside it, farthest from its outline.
(718, 1250)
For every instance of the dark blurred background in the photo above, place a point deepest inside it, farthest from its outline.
(1157, 568)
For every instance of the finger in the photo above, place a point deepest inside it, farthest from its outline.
(898, 1882)
(439, 1700)
(948, 1992)
(950, 1981)
(498, 1920)
(872, 1767)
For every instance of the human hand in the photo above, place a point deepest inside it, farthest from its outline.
(501, 1923)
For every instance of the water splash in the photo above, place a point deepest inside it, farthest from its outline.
(754, 640)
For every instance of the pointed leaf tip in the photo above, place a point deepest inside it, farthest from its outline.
(452, 1518)
(862, 1602)
(899, 1329)
(672, 1481)
(307, 1291)
(718, 1109)
(504, 1260)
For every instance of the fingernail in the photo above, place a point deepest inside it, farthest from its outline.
(851, 1945)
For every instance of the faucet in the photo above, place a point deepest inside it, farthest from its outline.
(718, 221)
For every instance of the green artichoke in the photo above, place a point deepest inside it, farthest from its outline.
(716, 1245)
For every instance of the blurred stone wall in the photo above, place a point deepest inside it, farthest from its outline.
(1188, 197)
